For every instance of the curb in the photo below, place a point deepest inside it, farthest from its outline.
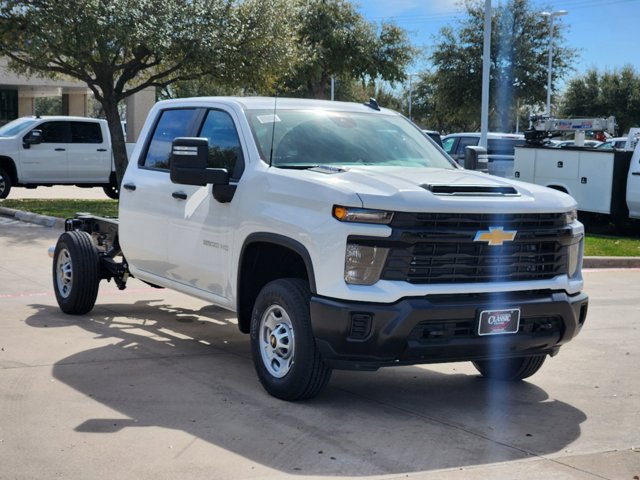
(611, 262)
(53, 222)
(28, 217)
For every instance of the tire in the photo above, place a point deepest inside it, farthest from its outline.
(284, 351)
(5, 184)
(76, 273)
(112, 191)
(510, 369)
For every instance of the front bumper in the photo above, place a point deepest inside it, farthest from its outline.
(442, 328)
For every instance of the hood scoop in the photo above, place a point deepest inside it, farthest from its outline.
(328, 169)
(473, 190)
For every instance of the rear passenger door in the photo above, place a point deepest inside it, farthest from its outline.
(88, 153)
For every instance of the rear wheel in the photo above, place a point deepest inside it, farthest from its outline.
(285, 355)
(5, 184)
(76, 272)
(112, 191)
(510, 369)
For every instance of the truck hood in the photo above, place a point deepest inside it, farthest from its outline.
(440, 190)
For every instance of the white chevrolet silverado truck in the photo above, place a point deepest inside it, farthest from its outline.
(61, 150)
(341, 235)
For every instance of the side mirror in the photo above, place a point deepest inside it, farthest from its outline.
(34, 137)
(189, 163)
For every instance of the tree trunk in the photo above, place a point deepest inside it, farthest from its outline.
(118, 145)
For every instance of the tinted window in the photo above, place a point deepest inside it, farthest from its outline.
(466, 142)
(224, 144)
(85, 132)
(172, 124)
(503, 146)
(54, 132)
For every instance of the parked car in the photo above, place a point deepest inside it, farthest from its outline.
(572, 143)
(500, 149)
(617, 143)
(434, 135)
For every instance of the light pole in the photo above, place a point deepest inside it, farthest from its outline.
(551, 16)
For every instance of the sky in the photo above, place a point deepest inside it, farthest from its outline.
(603, 31)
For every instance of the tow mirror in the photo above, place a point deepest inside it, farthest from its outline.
(34, 137)
(189, 157)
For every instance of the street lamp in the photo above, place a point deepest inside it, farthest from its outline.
(551, 16)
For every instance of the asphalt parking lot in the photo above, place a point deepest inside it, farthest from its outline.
(156, 385)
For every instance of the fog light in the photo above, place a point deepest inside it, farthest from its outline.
(363, 265)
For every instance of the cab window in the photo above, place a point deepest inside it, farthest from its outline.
(54, 132)
(171, 124)
(225, 150)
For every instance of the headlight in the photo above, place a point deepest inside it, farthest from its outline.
(573, 259)
(361, 215)
(570, 216)
(363, 265)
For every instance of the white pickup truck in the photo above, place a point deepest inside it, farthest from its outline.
(341, 235)
(60, 150)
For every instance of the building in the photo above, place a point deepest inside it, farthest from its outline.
(18, 98)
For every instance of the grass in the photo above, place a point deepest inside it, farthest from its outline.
(607, 246)
(64, 208)
(595, 245)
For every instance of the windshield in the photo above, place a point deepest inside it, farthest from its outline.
(16, 126)
(306, 138)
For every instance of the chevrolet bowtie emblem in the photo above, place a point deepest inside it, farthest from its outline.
(495, 236)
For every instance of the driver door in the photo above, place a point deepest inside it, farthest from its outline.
(47, 162)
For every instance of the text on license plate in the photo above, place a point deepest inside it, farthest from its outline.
(498, 322)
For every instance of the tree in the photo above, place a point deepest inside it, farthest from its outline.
(120, 47)
(604, 94)
(518, 64)
(336, 41)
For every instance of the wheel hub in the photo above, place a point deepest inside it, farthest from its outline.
(277, 341)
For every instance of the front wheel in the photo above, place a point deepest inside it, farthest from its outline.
(5, 184)
(510, 369)
(284, 351)
(76, 273)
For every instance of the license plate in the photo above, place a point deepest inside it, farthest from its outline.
(499, 322)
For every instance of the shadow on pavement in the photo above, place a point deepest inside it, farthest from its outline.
(191, 371)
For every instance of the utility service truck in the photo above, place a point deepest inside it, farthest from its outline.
(603, 182)
(341, 235)
(62, 150)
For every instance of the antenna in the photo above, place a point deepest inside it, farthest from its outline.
(273, 128)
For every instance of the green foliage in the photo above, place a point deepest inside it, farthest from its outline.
(518, 69)
(604, 94)
(334, 40)
(120, 47)
(49, 106)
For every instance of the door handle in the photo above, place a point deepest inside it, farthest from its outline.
(129, 186)
(635, 173)
(102, 149)
(179, 195)
(60, 149)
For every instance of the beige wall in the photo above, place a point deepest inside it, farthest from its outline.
(138, 107)
(75, 97)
